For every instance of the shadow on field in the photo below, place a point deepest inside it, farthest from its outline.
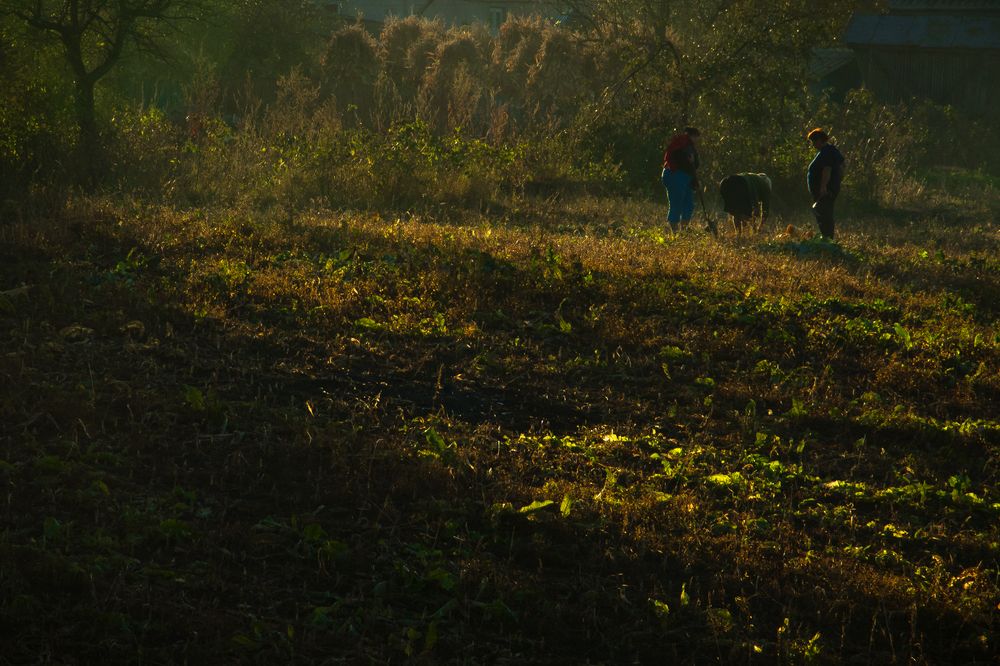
(175, 476)
(815, 250)
(974, 280)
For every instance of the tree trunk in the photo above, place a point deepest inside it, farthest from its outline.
(89, 150)
(86, 117)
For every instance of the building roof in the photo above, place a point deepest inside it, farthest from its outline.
(950, 6)
(929, 31)
(826, 61)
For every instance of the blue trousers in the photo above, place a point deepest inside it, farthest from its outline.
(680, 196)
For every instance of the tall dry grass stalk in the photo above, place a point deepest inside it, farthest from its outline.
(350, 67)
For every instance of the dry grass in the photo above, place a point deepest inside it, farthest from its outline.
(544, 433)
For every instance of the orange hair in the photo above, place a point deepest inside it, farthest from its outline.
(818, 133)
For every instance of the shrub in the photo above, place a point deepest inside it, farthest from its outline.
(37, 130)
(884, 144)
(144, 150)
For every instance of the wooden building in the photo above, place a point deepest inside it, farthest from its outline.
(947, 51)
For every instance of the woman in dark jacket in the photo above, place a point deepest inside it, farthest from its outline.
(823, 177)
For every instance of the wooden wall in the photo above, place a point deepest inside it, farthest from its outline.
(966, 79)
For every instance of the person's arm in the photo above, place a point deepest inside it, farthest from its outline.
(692, 160)
(824, 180)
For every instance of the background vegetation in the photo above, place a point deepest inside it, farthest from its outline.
(316, 111)
(327, 344)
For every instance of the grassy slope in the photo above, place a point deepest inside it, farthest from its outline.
(221, 439)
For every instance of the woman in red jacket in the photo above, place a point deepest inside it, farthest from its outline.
(680, 176)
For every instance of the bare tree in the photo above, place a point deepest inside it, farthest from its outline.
(698, 44)
(94, 35)
(644, 26)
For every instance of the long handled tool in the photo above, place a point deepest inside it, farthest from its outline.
(712, 226)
